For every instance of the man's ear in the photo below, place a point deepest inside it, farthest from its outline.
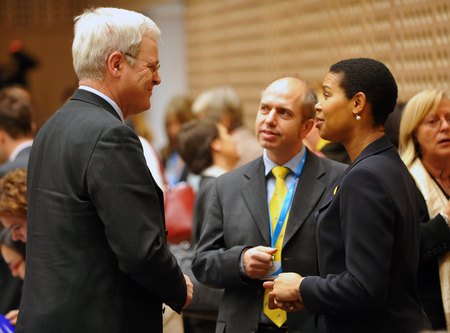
(306, 127)
(216, 145)
(114, 64)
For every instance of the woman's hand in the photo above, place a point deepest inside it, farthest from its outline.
(12, 316)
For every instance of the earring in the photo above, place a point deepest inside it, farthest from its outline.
(358, 117)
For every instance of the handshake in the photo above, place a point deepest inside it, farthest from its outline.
(285, 294)
(285, 288)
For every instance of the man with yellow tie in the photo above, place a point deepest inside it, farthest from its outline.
(260, 218)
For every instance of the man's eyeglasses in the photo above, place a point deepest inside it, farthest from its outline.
(153, 68)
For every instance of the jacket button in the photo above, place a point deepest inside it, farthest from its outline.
(259, 293)
(444, 245)
(428, 253)
(434, 251)
(424, 256)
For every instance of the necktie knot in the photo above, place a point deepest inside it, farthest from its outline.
(280, 172)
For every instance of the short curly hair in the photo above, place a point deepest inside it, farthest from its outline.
(13, 194)
(372, 78)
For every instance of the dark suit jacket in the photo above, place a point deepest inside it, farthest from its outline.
(200, 207)
(238, 218)
(97, 259)
(21, 161)
(368, 249)
(434, 241)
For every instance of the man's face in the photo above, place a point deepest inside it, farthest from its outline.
(18, 226)
(279, 127)
(137, 82)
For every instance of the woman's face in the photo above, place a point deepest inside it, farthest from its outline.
(433, 133)
(14, 260)
(334, 111)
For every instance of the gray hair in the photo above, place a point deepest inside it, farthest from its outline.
(102, 31)
(219, 101)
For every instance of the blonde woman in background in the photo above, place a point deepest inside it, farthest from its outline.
(425, 149)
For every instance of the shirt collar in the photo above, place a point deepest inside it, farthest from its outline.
(213, 171)
(19, 148)
(292, 164)
(109, 100)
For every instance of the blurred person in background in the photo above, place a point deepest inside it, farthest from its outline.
(13, 216)
(425, 149)
(17, 130)
(209, 151)
(13, 203)
(392, 126)
(14, 253)
(224, 103)
(178, 112)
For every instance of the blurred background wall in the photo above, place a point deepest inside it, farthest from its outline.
(244, 43)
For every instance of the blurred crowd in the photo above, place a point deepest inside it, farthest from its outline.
(398, 155)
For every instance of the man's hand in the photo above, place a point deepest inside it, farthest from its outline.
(190, 291)
(12, 316)
(257, 261)
(285, 294)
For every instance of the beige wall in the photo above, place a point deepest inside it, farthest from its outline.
(247, 43)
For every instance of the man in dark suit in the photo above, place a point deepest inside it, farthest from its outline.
(235, 250)
(16, 132)
(16, 137)
(97, 259)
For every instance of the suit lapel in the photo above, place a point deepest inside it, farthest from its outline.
(254, 193)
(308, 193)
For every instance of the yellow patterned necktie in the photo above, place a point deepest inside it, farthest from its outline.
(277, 316)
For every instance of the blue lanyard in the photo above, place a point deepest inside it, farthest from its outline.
(286, 204)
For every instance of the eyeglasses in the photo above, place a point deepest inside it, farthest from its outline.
(153, 68)
(15, 266)
(435, 122)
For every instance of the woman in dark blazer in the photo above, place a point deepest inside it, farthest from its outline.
(368, 226)
(425, 149)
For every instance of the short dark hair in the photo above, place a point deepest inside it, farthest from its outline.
(15, 115)
(6, 239)
(194, 143)
(372, 78)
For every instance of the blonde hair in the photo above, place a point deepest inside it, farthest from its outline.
(413, 113)
(102, 31)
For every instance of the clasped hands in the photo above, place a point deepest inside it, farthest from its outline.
(285, 288)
